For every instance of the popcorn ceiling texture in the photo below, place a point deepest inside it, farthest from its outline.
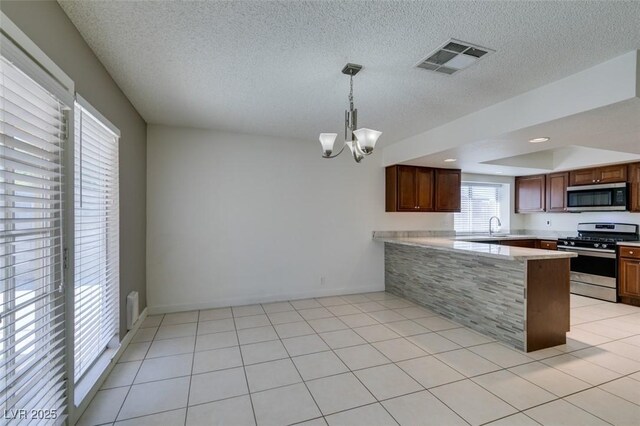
(273, 68)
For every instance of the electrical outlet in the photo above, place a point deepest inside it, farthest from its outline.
(322, 280)
(548, 223)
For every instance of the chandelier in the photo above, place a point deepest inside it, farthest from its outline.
(360, 141)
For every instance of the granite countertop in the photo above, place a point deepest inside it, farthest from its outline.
(478, 249)
(485, 237)
(629, 243)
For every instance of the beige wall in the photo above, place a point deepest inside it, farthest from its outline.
(48, 26)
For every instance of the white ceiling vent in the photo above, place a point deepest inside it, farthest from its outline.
(454, 56)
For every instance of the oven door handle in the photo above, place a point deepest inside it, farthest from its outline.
(589, 252)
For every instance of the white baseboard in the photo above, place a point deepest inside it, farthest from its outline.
(239, 301)
(107, 365)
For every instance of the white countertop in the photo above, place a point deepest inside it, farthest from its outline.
(479, 249)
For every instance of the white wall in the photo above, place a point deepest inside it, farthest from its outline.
(236, 219)
(568, 222)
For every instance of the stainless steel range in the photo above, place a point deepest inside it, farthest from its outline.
(594, 271)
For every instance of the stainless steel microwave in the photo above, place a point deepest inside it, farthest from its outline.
(602, 197)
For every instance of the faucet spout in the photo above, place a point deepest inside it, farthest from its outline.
(490, 223)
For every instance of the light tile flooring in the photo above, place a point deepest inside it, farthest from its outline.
(369, 359)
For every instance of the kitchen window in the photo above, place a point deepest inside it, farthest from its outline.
(479, 202)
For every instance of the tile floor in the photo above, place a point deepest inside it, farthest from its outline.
(369, 359)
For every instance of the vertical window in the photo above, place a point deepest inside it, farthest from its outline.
(479, 202)
(32, 337)
(96, 245)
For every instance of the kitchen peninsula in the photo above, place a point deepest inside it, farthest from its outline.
(519, 296)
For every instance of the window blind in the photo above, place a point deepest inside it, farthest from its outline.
(32, 336)
(96, 245)
(479, 202)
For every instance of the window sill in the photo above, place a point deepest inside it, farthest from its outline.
(84, 386)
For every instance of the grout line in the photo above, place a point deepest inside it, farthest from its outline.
(304, 320)
(244, 368)
(193, 362)
(134, 377)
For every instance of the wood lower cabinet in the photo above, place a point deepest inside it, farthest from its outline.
(634, 187)
(531, 243)
(530, 194)
(447, 190)
(629, 275)
(596, 175)
(547, 245)
(557, 191)
(422, 189)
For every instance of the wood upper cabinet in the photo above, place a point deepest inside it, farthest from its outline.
(634, 187)
(422, 189)
(607, 174)
(530, 194)
(629, 274)
(409, 189)
(448, 183)
(557, 192)
(407, 200)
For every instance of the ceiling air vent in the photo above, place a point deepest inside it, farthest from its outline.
(454, 56)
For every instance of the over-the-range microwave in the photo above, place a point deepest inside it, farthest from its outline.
(601, 197)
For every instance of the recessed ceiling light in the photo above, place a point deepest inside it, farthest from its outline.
(538, 140)
(449, 160)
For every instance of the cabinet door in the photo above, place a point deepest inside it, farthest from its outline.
(407, 188)
(530, 194)
(612, 174)
(629, 276)
(557, 192)
(582, 177)
(548, 245)
(448, 184)
(634, 178)
(519, 243)
(424, 189)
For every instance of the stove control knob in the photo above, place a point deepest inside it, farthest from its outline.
(596, 245)
(604, 246)
(566, 243)
(572, 243)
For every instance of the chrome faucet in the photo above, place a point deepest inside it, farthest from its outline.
(490, 221)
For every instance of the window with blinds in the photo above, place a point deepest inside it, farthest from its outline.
(96, 248)
(479, 202)
(32, 335)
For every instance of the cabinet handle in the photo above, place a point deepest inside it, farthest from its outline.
(630, 252)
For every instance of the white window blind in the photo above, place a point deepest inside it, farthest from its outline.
(96, 248)
(479, 201)
(32, 337)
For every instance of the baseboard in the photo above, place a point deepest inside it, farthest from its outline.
(77, 411)
(238, 301)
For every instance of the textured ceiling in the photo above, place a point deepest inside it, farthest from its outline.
(273, 68)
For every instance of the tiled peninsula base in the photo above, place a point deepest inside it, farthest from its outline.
(521, 302)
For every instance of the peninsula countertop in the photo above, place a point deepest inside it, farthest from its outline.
(457, 244)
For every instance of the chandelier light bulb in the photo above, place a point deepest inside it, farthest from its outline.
(367, 139)
(327, 140)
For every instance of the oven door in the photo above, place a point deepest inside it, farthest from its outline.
(593, 273)
(597, 197)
